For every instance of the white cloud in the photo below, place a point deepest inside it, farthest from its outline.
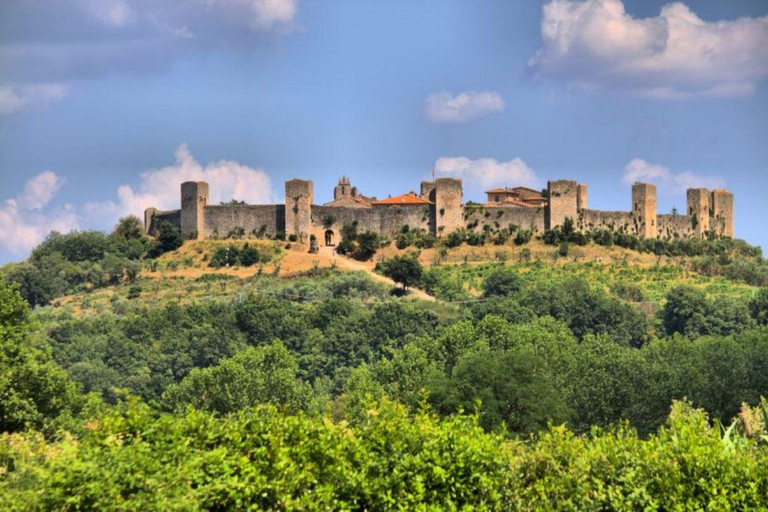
(597, 45)
(23, 223)
(39, 190)
(25, 220)
(16, 98)
(669, 182)
(483, 173)
(443, 107)
(160, 188)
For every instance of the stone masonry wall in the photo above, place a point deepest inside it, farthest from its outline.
(499, 217)
(591, 220)
(172, 216)
(675, 226)
(385, 220)
(256, 220)
(705, 210)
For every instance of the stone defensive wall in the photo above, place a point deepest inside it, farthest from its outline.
(476, 217)
(153, 218)
(439, 209)
(592, 220)
(384, 220)
(255, 220)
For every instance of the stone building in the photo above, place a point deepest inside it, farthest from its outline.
(439, 208)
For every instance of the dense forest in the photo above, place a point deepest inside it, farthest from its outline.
(524, 387)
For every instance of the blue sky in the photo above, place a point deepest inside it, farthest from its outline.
(106, 105)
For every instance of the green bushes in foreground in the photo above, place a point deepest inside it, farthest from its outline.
(260, 458)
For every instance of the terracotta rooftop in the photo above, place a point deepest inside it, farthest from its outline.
(410, 198)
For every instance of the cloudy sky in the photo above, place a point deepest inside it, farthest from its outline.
(107, 105)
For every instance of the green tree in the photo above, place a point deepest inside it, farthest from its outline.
(169, 239)
(129, 228)
(404, 270)
(502, 282)
(513, 388)
(258, 375)
(689, 311)
(34, 391)
(758, 307)
(367, 245)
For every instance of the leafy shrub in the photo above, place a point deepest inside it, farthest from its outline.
(476, 238)
(455, 238)
(264, 459)
(250, 255)
(523, 236)
(225, 256)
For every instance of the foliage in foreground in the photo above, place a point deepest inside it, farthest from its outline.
(134, 459)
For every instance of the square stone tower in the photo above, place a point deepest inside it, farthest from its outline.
(699, 209)
(449, 208)
(644, 209)
(428, 190)
(722, 212)
(581, 196)
(563, 203)
(298, 208)
(194, 199)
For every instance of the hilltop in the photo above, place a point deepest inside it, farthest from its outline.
(186, 273)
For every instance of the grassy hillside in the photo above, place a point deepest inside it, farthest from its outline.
(186, 274)
(234, 373)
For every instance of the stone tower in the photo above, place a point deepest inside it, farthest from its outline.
(298, 208)
(149, 215)
(699, 209)
(344, 189)
(563, 203)
(644, 209)
(722, 212)
(581, 196)
(428, 190)
(449, 209)
(194, 199)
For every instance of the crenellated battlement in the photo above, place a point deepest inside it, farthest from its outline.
(438, 208)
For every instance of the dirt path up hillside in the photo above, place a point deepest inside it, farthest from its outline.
(350, 264)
